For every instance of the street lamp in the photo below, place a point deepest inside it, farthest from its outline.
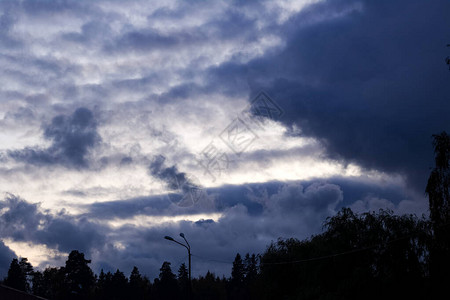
(188, 247)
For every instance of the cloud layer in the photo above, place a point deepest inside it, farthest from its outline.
(72, 138)
(105, 110)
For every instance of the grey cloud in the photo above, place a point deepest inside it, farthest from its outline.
(371, 83)
(230, 24)
(19, 218)
(67, 234)
(72, 139)
(284, 210)
(372, 204)
(45, 9)
(234, 23)
(184, 190)
(256, 198)
(93, 31)
(344, 80)
(252, 216)
(7, 21)
(26, 222)
(6, 255)
(292, 198)
(139, 41)
(126, 160)
(155, 205)
(170, 175)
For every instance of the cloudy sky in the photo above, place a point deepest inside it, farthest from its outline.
(235, 122)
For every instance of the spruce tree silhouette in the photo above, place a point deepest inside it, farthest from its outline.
(183, 281)
(139, 286)
(237, 278)
(119, 286)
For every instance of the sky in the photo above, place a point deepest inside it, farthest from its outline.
(234, 122)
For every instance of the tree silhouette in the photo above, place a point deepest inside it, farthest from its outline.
(250, 267)
(251, 276)
(378, 252)
(102, 286)
(119, 286)
(38, 285)
(166, 287)
(439, 200)
(16, 278)
(139, 286)
(80, 279)
(238, 270)
(209, 287)
(236, 289)
(183, 280)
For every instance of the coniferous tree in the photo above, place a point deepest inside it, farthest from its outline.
(27, 270)
(183, 280)
(209, 287)
(119, 286)
(16, 278)
(250, 267)
(139, 286)
(52, 284)
(166, 287)
(251, 276)
(236, 289)
(79, 277)
(238, 270)
(100, 287)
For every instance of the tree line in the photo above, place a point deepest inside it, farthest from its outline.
(371, 255)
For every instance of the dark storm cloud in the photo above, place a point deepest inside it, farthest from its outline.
(371, 83)
(67, 234)
(72, 138)
(26, 222)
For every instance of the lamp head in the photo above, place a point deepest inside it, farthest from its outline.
(182, 235)
(168, 238)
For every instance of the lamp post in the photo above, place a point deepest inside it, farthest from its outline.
(187, 246)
